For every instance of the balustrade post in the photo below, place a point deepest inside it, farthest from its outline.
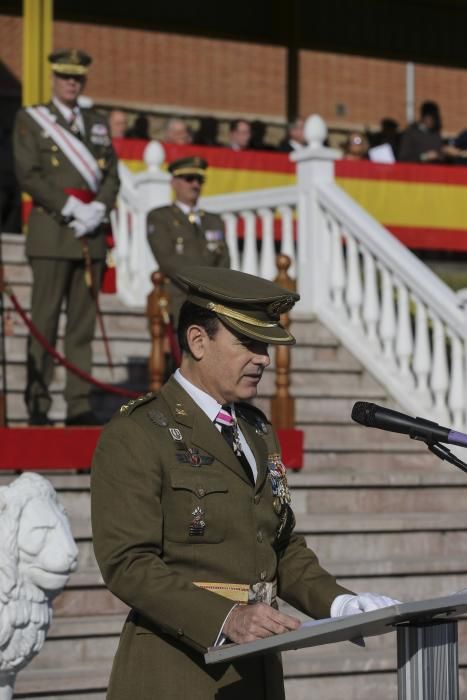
(158, 317)
(315, 166)
(282, 404)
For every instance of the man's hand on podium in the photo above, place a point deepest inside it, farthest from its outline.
(363, 602)
(249, 622)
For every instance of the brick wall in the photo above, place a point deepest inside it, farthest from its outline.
(191, 73)
(351, 90)
(160, 71)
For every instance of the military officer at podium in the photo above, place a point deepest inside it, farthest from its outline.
(183, 234)
(66, 163)
(193, 526)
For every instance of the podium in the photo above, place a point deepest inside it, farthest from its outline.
(427, 650)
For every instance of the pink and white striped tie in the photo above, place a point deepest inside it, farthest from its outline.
(229, 430)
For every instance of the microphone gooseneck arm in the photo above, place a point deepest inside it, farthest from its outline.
(444, 453)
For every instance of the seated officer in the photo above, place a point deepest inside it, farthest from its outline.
(183, 234)
(192, 520)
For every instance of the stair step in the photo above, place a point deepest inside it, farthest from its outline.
(381, 522)
(382, 500)
(331, 458)
(90, 680)
(349, 436)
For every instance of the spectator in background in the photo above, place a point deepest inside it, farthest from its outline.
(295, 138)
(388, 134)
(258, 134)
(356, 146)
(421, 142)
(140, 128)
(176, 132)
(239, 135)
(118, 122)
(455, 151)
(207, 132)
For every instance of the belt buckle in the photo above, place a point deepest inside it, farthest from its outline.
(262, 592)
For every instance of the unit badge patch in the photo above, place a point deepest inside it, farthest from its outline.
(176, 434)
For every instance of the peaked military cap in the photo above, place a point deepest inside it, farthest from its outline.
(249, 305)
(188, 166)
(70, 62)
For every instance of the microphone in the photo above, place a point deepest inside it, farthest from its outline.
(374, 416)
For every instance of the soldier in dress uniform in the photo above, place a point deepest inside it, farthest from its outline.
(66, 163)
(182, 233)
(192, 519)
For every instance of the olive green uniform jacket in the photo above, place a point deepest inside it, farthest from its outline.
(44, 172)
(145, 488)
(56, 256)
(177, 243)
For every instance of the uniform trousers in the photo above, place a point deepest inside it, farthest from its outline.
(56, 281)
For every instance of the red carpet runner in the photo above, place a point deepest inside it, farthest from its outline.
(72, 448)
(47, 448)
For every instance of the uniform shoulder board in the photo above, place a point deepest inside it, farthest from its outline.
(132, 404)
(253, 415)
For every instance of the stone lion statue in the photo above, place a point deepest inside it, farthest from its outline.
(37, 555)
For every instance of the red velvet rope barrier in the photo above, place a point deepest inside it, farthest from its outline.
(60, 358)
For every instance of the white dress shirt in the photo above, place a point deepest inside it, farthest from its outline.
(211, 408)
(70, 113)
(187, 210)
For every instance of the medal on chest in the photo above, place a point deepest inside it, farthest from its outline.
(278, 479)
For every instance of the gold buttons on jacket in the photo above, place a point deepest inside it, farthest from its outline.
(256, 499)
(259, 535)
(201, 493)
(263, 575)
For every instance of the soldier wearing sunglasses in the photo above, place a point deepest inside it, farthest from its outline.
(183, 234)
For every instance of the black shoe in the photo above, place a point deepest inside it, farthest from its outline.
(86, 418)
(40, 419)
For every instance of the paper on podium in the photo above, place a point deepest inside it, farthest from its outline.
(339, 629)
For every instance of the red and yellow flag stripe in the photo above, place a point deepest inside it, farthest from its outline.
(424, 206)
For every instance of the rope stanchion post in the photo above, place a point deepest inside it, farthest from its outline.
(282, 404)
(158, 319)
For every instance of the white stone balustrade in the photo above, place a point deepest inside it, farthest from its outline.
(272, 213)
(387, 307)
(390, 310)
(139, 193)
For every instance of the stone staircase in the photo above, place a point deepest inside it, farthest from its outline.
(382, 513)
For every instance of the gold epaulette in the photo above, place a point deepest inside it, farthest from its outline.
(130, 406)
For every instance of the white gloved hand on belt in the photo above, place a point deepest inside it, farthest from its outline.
(74, 208)
(86, 217)
(348, 604)
(92, 216)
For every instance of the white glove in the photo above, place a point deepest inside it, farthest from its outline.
(93, 215)
(74, 208)
(86, 217)
(364, 602)
(78, 227)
